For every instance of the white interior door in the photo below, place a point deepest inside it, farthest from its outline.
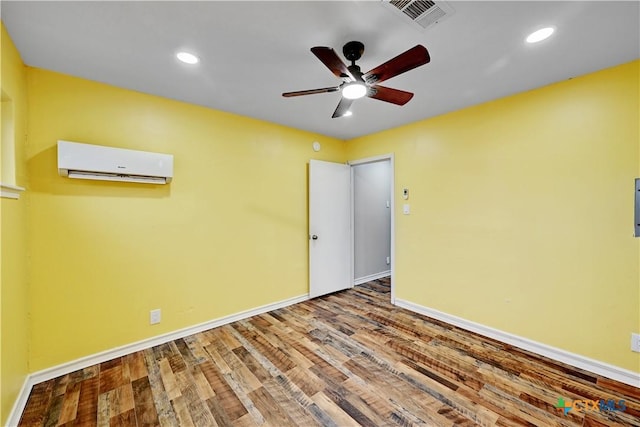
(329, 227)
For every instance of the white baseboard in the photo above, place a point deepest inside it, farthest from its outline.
(20, 403)
(84, 362)
(576, 360)
(376, 276)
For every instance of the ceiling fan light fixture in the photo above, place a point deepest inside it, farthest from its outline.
(539, 35)
(356, 84)
(354, 90)
(187, 58)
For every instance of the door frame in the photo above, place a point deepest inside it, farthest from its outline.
(366, 160)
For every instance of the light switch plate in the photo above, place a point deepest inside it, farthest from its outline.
(406, 209)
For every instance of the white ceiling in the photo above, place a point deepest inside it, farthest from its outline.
(251, 52)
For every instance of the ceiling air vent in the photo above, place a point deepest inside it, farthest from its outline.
(422, 13)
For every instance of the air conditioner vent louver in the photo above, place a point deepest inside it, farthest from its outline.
(417, 8)
(423, 13)
(400, 4)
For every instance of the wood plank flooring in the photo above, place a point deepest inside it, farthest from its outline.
(346, 359)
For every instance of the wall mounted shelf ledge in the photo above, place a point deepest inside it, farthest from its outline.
(10, 191)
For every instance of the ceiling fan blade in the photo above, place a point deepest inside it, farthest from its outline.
(311, 91)
(387, 94)
(332, 61)
(412, 58)
(342, 108)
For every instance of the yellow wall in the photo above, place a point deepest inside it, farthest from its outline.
(13, 238)
(228, 234)
(522, 213)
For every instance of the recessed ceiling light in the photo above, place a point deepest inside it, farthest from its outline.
(347, 114)
(538, 36)
(187, 58)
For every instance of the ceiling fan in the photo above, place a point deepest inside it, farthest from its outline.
(356, 84)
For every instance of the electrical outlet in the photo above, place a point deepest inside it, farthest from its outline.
(635, 342)
(154, 316)
(388, 260)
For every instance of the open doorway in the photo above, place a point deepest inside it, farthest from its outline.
(372, 221)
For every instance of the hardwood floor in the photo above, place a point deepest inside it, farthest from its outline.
(349, 358)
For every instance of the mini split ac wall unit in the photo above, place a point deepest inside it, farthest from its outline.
(86, 161)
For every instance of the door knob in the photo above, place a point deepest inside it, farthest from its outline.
(314, 237)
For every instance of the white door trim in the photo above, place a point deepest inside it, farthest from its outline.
(352, 163)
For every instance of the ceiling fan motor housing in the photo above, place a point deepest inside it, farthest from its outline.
(356, 73)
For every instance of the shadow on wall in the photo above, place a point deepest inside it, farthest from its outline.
(44, 178)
